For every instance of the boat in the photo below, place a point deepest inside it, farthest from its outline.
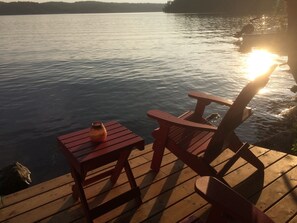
(273, 38)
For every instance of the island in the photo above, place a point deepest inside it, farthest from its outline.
(26, 8)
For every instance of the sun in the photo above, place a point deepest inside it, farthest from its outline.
(258, 62)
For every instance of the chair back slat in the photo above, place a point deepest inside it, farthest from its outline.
(236, 114)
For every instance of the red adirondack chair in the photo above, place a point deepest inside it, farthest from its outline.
(227, 204)
(196, 142)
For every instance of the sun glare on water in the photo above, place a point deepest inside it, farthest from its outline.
(259, 62)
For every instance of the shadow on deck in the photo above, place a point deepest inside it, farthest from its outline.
(167, 196)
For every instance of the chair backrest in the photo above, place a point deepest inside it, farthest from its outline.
(226, 201)
(236, 114)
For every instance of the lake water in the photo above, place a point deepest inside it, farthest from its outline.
(61, 72)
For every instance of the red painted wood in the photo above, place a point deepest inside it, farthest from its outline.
(82, 131)
(226, 200)
(169, 119)
(84, 136)
(86, 142)
(107, 146)
(201, 144)
(190, 135)
(210, 98)
(84, 155)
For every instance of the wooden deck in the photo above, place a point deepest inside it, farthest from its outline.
(167, 196)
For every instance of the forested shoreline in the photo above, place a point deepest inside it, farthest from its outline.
(23, 8)
(235, 7)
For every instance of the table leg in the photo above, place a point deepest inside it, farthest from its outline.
(80, 191)
(74, 187)
(120, 165)
(132, 181)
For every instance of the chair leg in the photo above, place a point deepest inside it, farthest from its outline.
(243, 149)
(159, 147)
(245, 153)
(233, 159)
(157, 156)
(252, 159)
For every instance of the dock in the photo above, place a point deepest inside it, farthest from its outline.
(168, 196)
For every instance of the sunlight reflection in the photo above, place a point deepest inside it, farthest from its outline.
(258, 62)
(264, 20)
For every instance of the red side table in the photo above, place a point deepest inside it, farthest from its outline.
(84, 155)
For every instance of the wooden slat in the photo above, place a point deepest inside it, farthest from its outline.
(83, 131)
(284, 209)
(200, 139)
(276, 164)
(168, 196)
(35, 190)
(122, 186)
(166, 169)
(156, 202)
(49, 186)
(185, 209)
(103, 147)
(46, 207)
(293, 220)
(76, 145)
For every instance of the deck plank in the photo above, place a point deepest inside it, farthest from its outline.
(167, 188)
(284, 209)
(234, 177)
(275, 164)
(122, 183)
(293, 220)
(154, 204)
(167, 196)
(60, 181)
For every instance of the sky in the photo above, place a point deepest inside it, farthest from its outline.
(120, 1)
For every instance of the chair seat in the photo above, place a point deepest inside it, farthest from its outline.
(192, 141)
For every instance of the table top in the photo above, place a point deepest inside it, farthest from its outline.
(81, 152)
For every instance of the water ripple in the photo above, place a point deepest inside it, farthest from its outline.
(61, 72)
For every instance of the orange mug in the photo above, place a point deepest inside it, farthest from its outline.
(98, 132)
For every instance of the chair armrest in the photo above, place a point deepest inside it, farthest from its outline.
(207, 98)
(169, 119)
(210, 98)
(226, 199)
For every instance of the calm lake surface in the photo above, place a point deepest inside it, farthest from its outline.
(61, 72)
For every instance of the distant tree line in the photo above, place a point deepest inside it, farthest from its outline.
(21, 8)
(235, 7)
